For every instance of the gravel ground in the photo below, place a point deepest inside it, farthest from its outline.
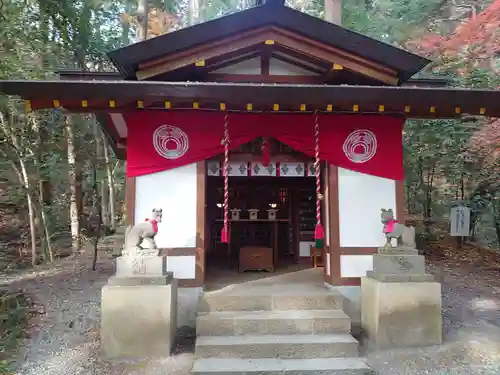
(471, 328)
(64, 340)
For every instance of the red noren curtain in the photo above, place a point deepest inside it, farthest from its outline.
(159, 141)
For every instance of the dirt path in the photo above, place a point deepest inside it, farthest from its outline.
(471, 325)
(66, 340)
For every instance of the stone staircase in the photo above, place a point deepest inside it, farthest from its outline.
(285, 329)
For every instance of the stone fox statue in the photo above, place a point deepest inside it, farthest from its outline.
(404, 236)
(142, 236)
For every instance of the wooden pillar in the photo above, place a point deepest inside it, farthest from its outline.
(130, 200)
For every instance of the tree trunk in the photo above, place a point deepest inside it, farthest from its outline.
(100, 146)
(31, 212)
(142, 20)
(333, 11)
(74, 212)
(44, 187)
(202, 11)
(192, 12)
(111, 186)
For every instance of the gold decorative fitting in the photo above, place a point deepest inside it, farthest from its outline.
(276, 107)
(56, 103)
(302, 107)
(381, 108)
(249, 106)
(168, 105)
(140, 104)
(432, 109)
(269, 42)
(458, 110)
(482, 110)
(407, 108)
(222, 106)
(112, 104)
(329, 108)
(200, 63)
(196, 105)
(85, 103)
(27, 105)
(338, 67)
(355, 108)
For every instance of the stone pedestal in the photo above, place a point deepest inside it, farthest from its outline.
(400, 303)
(139, 309)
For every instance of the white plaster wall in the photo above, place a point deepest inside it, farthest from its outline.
(183, 266)
(361, 197)
(278, 67)
(305, 248)
(327, 265)
(355, 265)
(251, 66)
(174, 191)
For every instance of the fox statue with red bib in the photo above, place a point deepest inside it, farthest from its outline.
(397, 234)
(140, 238)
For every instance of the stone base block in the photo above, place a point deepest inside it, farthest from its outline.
(398, 250)
(400, 277)
(141, 265)
(138, 320)
(141, 280)
(400, 314)
(399, 264)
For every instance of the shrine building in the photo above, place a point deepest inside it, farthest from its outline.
(260, 135)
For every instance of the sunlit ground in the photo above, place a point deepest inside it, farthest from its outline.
(471, 325)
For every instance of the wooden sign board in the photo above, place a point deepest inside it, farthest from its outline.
(460, 221)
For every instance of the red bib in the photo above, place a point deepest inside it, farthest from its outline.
(154, 223)
(389, 226)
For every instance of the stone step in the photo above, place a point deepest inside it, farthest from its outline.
(271, 299)
(227, 323)
(277, 346)
(278, 366)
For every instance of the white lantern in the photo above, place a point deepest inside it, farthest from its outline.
(235, 214)
(271, 214)
(253, 213)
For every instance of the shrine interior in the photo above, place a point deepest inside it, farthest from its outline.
(262, 243)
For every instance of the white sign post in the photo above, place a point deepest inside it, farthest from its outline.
(460, 221)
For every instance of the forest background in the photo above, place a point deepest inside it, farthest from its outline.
(58, 171)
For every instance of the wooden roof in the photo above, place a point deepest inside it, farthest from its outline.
(76, 74)
(290, 31)
(116, 96)
(108, 99)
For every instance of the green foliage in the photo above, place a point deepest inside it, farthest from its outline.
(14, 313)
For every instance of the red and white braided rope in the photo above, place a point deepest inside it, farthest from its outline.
(226, 173)
(317, 168)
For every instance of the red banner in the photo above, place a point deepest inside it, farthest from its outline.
(159, 141)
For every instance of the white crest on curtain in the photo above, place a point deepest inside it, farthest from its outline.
(360, 146)
(170, 142)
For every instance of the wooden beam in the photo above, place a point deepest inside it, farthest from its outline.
(205, 52)
(280, 37)
(342, 53)
(232, 61)
(265, 61)
(250, 78)
(304, 66)
(324, 53)
(334, 71)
